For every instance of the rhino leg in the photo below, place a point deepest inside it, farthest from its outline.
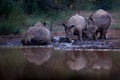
(35, 41)
(103, 34)
(80, 36)
(69, 38)
(25, 43)
(95, 36)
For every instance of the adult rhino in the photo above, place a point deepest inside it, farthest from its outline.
(98, 22)
(37, 35)
(75, 26)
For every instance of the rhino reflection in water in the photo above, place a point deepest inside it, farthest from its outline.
(77, 60)
(37, 55)
(102, 61)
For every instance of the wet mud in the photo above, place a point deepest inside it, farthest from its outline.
(60, 42)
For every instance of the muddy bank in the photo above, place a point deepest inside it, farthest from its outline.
(112, 42)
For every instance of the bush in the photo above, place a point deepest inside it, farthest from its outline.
(17, 13)
(13, 24)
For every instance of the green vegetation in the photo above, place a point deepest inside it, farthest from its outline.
(18, 15)
(12, 25)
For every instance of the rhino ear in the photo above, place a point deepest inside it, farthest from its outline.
(86, 19)
(72, 26)
(85, 30)
(44, 23)
(91, 20)
(64, 25)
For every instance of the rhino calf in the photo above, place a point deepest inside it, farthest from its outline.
(37, 35)
(75, 26)
(98, 22)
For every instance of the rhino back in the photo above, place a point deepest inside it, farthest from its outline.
(41, 33)
(101, 18)
(77, 21)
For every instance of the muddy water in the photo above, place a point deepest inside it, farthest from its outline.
(47, 63)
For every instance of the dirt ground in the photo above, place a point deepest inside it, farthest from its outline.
(112, 34)
(114, 37)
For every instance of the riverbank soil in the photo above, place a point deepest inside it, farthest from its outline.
(113, 37)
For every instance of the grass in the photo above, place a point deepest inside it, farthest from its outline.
(62, 16)
(115, 19)
(19, 22)
(115, 26)
(13, 24)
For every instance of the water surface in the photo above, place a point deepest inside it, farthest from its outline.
(43, 63)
